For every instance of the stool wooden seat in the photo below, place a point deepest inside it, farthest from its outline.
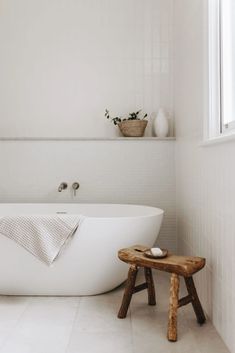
(185, 266)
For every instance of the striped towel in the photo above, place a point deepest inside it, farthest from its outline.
(43, 236)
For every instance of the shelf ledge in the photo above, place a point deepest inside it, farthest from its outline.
(74, 139)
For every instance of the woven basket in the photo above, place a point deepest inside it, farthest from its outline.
(133, 128)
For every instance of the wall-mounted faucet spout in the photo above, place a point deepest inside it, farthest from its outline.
(62, 186)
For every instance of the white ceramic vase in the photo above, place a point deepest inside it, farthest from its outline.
(161, 124)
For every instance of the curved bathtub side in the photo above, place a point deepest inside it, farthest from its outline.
(88, 265)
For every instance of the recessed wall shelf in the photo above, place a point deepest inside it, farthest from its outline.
(86, 139)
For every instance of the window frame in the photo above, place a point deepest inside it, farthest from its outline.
(215, 127)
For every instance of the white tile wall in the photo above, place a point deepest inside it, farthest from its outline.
(137, 172)
(63, 62)
(205, 177)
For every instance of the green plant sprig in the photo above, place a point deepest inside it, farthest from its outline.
(131, 116)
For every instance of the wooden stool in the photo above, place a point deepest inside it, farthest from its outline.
(184, 266)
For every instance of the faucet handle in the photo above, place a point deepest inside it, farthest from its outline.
(62, 186)
(75, 187)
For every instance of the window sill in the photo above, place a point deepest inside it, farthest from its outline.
(218, 140)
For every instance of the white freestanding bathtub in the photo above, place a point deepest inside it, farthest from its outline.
(89, 264)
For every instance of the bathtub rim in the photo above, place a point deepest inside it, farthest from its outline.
(156, 211)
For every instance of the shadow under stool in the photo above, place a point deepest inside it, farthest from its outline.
(185, 266)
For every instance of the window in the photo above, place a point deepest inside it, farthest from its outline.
(221, 67)
(227, 9)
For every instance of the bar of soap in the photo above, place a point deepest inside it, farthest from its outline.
(156, 252)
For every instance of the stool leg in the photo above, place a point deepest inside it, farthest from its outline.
(174, 296)
(150, 283)
(195, 300)
(129, 290)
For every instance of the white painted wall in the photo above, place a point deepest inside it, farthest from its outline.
(108, 171)
(62, 62)
(205, 175)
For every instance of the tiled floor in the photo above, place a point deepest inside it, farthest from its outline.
(90, 325)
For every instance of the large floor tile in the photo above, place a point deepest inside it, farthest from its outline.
(99, 314)
(100, 342)
(11, 309)
(208, 339)
(44, 327)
